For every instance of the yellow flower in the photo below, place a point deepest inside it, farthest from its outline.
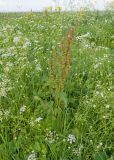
(58, 8)
(49, 8)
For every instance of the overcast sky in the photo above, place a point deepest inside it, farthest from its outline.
(36, 5)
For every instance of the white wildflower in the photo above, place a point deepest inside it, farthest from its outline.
(105, 55)
(71, 138)
(16, 40)
(38, 119)
(96, 66)
(104, 117)
(51, 137)
(100, 145)
(9, 64)
(3, 92)
(87, 46)
(31, 122)
(75, 151)
(22, 109)
(97, 92)
(27, 44)
(83, 36)
(32, 156)
(38, 67)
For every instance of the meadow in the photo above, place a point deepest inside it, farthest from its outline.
(57, 86)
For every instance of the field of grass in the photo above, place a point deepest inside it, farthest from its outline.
(57, 86)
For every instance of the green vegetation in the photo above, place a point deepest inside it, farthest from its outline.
(57, 86)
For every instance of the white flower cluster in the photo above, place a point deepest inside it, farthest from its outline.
(97, 93)
(27, 44)
(32, 156)
(22, 109)
(51, 137)
(4, 114)
(88, 34)
(37, 120)
(99, 145)
(38, 67)
(16, 40)
(77, 151)
(5, 86)
(71, 138)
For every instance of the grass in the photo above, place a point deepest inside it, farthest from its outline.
(56, 98)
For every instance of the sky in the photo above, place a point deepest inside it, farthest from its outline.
(37, 5)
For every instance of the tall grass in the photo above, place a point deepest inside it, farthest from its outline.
(56, 89)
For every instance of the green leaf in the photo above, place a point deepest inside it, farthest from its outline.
(100, 156)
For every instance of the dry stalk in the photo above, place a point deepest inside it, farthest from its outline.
(60, 63)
